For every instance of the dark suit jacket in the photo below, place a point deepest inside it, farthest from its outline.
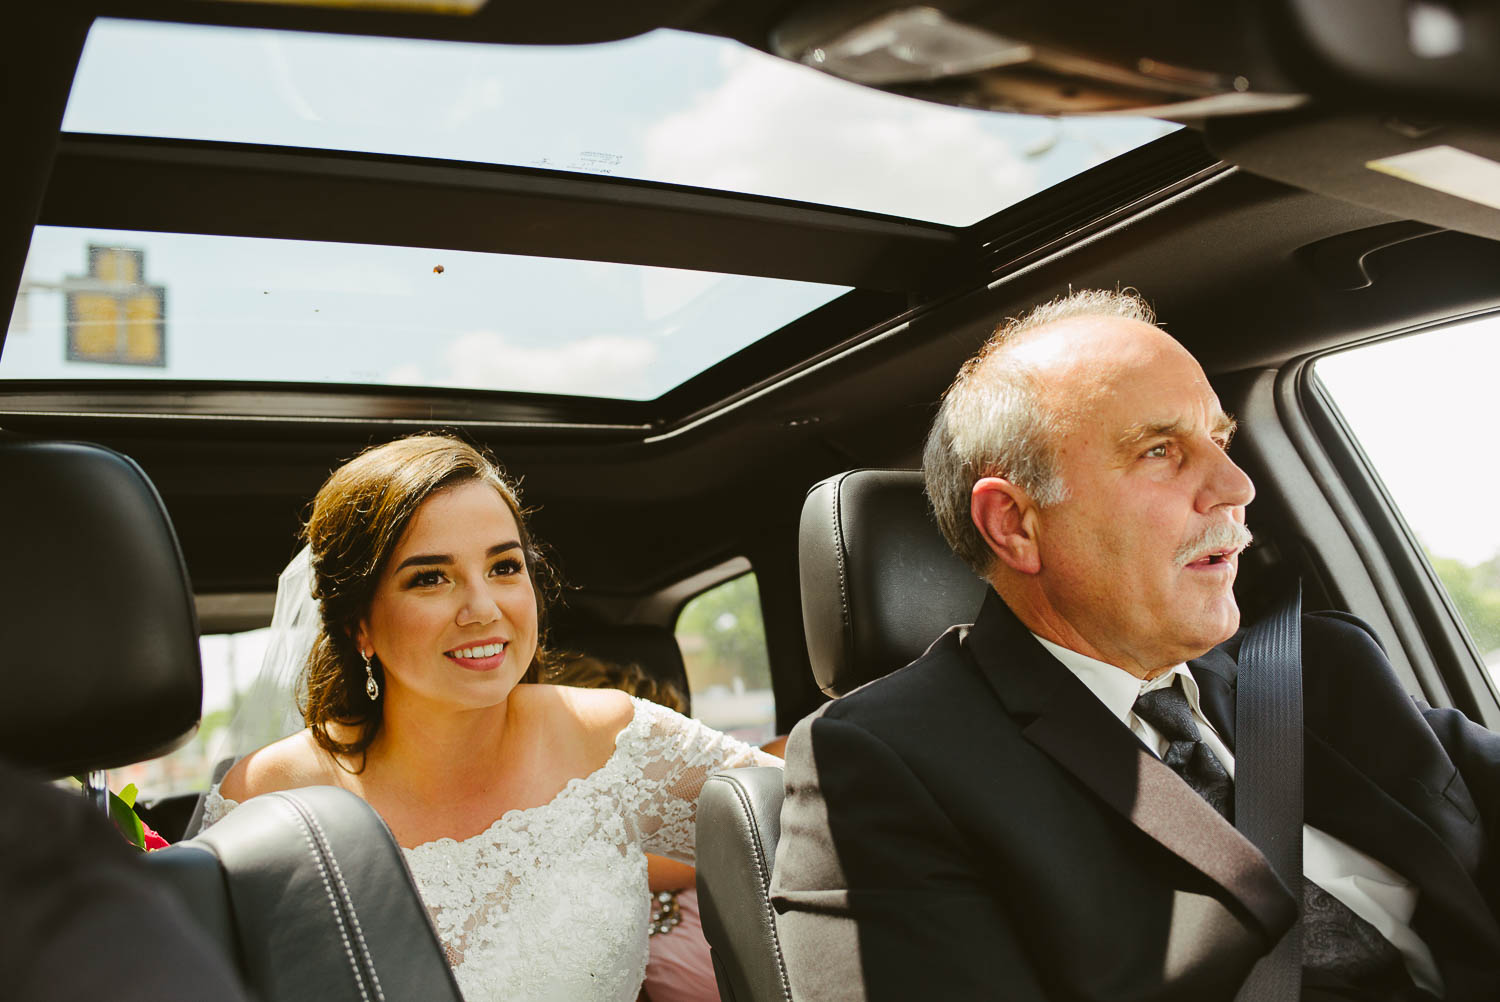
(978, 825)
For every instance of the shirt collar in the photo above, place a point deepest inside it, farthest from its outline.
(1115, 687)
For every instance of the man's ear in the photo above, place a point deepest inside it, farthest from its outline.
(1006, 517)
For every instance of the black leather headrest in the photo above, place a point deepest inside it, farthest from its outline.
(299, 871)
(98, 637)
(879, 582)
(653, 648)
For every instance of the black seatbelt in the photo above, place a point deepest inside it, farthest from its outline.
(1268, 777)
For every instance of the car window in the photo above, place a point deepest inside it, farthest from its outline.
(665, 106)
(723, 641)
(1421, 407)
(119, 304)
(231, 661)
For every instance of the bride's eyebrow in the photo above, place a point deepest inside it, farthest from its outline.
(425, 559)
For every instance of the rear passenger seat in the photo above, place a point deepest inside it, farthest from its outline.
(277, 883)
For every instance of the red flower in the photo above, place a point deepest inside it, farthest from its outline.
(153, 840)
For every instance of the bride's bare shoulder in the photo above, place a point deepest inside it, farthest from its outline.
(290, 763)
(592, 716)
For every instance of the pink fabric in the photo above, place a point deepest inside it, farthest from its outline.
(680, 969)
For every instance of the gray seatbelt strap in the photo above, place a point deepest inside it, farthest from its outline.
(1268, 777)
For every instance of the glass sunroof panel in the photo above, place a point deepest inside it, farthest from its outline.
(110, 304)
(666, 106)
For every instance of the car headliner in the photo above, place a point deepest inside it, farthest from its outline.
(636, 496)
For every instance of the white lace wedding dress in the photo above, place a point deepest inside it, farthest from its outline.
(550, 903)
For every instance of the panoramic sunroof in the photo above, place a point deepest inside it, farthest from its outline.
(110, 304)
(665, 106)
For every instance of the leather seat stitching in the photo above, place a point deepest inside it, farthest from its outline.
(764, 875)
(359, 933)
(286, 804)
(838, 552)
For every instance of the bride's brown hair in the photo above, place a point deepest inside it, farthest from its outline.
(358, 517)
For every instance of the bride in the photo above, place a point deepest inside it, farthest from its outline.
(524, 811)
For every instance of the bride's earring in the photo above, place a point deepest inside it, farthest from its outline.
(372, 687)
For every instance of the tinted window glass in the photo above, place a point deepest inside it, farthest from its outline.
(723, 640)
(1422, 408)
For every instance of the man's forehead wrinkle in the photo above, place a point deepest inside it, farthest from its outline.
(1219, 424)
(1152, 429)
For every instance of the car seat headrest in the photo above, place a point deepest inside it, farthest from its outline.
(98, 636)
(879, 581)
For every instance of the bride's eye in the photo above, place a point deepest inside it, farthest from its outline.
(507, 567)
(425, 579)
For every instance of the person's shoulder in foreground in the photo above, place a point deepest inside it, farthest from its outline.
(83, 920)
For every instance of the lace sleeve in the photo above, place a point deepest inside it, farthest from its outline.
(215, 807)
(675, 756)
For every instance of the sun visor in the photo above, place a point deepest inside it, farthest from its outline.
(1442, 174)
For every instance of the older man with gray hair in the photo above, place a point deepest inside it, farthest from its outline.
(1042, 806)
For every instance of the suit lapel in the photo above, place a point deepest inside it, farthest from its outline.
(1061, 717)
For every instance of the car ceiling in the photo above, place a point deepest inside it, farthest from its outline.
(1247, 270)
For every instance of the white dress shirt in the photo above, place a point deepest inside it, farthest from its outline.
(1369, 888)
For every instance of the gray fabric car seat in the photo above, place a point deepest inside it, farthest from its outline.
(305, 892)
(879, 584)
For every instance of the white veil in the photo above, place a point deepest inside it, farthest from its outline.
(268, 708)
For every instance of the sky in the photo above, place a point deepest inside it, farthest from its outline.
(1424, 407)
(666, 106)
(242, 308)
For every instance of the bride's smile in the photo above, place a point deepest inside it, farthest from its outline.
(483, 656)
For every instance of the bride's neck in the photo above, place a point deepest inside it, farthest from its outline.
(440, 754)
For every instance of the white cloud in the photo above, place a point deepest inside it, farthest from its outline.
(769, 128)
(602, 365)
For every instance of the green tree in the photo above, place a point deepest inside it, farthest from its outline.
(723, 636)
(1476, 594)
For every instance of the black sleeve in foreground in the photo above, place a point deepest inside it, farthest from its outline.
(83, 919)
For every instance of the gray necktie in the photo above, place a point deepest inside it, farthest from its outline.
(1168, 711)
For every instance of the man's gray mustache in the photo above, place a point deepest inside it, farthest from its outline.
(1216, 538)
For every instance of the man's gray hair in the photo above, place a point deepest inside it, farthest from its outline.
(992, 422)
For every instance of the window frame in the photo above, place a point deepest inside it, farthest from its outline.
(1444, 662)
